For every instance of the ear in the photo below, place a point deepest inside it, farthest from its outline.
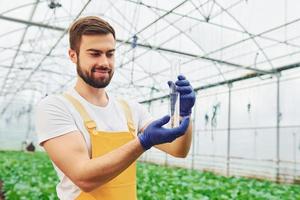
(73, 55)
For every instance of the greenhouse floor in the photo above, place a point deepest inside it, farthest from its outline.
(1, 193)
(31, 176)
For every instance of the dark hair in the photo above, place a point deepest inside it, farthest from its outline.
(91, 25)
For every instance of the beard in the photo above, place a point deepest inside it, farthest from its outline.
(91, 80)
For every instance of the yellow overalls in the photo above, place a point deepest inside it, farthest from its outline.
(122, 187)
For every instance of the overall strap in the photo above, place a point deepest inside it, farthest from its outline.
(88, 122)
(128, 115)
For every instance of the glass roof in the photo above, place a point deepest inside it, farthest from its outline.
(212, 41)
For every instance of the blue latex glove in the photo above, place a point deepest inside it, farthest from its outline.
(156, 134)
(187, 95)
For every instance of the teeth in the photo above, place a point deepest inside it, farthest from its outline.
(104, 70)
(100, 70)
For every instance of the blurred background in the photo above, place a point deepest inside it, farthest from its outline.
(241, 56)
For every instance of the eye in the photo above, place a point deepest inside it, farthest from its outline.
(95, 54)
(109, 55)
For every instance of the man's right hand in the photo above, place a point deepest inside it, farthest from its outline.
(156, 134)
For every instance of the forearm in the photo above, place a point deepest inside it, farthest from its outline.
(98, 171)
(181, 146)
(183, 143)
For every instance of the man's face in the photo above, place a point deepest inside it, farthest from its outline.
(95, 62)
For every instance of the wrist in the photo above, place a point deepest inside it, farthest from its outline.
(140, 146)
(144, 141)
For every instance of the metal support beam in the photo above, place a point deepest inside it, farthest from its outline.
(42, 70)
(278, 117)
(247, 76)
(147, 46)
(30, 23)
(228, 131)
(194, 135)
(18, 49)
(222, 62)
(27, 79)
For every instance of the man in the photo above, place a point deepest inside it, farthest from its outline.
(91, 137)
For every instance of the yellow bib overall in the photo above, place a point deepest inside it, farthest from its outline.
(122, 187)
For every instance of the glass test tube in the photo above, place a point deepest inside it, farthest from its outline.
(174, 96)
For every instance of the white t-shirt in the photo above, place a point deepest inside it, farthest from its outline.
(56, 116)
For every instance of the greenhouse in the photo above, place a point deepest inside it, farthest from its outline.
(85, 87)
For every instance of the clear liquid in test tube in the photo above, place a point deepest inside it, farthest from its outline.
(174, 96)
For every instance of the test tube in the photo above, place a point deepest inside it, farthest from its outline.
(174, 97)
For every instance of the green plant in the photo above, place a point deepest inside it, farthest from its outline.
(31, 176)
(27, 176)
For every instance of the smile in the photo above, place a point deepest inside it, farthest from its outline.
(101, 70)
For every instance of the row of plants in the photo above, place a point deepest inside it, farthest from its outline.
(31, 176)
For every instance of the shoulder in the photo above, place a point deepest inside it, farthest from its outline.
(53, 118)
(52, 104)
(51, 99)
(133, 105)
(139, 110)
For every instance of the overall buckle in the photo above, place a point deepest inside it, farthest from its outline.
(90, 124)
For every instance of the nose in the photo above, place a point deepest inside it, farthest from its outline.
(103, 61)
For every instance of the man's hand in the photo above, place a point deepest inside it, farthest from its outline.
(187, 96)
(156, 134)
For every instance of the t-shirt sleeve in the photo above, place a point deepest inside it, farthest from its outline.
(53, 119)
(144, 117)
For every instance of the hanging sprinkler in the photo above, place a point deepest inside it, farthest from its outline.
(133, 45)
(206, 118)
(53, 4)
(214, 115)
(134, 41)
(249, 107)
(213, 120)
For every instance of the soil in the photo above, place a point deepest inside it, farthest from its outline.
(1, 191)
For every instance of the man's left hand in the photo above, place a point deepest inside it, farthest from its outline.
(187, 96)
